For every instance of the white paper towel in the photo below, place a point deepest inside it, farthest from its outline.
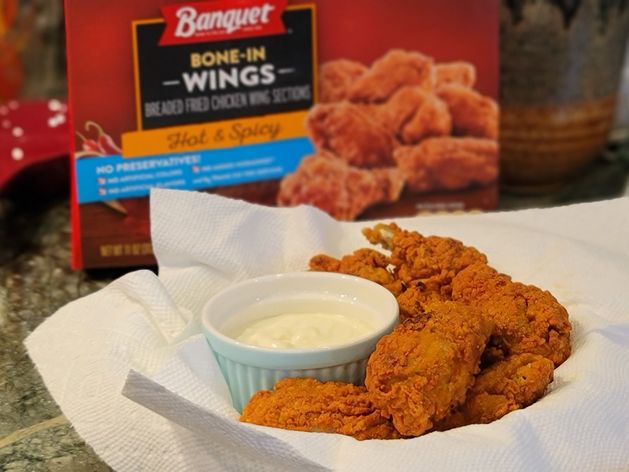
(141, 330)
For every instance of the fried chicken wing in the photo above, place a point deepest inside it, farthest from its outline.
(414, 298)
(458, 316)
(461, 73)
(344, 192)
(336, 77)
(508, 385)
(472, 113)
(448, 163)
(412, 114)
(423, 369)
(325, 263)
(305, 404)
(528, 319)
(350, 133)
(366, 263)
(394, 70)
(433, 261)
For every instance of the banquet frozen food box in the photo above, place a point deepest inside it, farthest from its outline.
(364, 109)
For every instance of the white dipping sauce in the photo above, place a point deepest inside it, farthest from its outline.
(304, 330)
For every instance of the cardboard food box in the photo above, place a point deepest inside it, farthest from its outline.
(364, 109)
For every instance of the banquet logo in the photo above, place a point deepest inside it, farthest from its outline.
(220, 20)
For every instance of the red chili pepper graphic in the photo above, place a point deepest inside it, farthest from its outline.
(106, 142)
(90, 146)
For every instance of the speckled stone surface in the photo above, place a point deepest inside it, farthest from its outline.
(35, 280)
(53, 449)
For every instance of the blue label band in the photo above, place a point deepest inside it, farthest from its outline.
(106, 178)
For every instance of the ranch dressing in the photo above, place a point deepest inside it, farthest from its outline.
(303, 330)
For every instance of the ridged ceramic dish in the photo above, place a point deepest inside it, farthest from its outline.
(248, 369)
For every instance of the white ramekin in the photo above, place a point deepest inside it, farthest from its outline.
(248, 369)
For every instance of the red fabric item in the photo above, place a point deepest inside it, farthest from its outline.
(31, 132)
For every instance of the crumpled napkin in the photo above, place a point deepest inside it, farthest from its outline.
(140, 385)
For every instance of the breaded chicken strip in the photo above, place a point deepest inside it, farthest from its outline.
(305, 404)
(432, 261)
(396, 69)
(342, 191)
(528, 319)
(461, 73)
(336, 77)
(472, 113)
(508, 385)
(349, 132)
(366, 263)
(448, 163)
(423, 369)
(412, 114)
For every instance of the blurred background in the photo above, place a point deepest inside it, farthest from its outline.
(32, 49)
(564, 98)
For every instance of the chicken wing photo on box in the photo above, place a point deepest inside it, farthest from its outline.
(472, 113)
(305, 404)
(336, 77)
(337, 188)
(528, 319)
(448, 163)
(461, 73)
(412, 114)
(396, 69)
(423, 369)
(511, 384)
(347, 131)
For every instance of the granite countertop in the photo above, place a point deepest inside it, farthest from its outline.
(35, 280)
